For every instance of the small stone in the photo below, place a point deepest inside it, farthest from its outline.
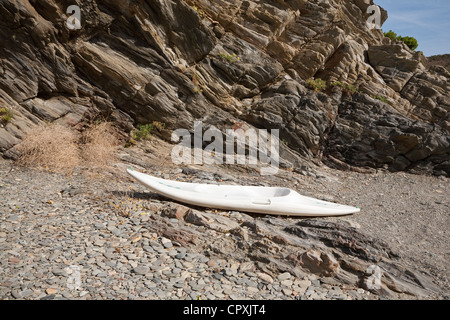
(252, 289)
(156, 245)
(59, 272)
(211, 263)
(180, 255)
(309, 291)
(136, 238)
(230, 271)
(51, 291)
(14, 260)
(83, 293)
(284, 276)
(246, 267)
(16, 294)
(99, 243)
(315, 282)
(148, 249)
(6, 284)
(168, 244)
(141, 270)
(99, 225)
(116, 232)
(287, 283)
(287, 292)
(265, 277)
(303, 283)
(109, 255)
(26, 293)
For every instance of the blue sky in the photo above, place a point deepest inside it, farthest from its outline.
(427, 21)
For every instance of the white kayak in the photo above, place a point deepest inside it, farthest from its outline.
(267, 200)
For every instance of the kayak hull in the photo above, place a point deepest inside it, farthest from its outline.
(264, 200)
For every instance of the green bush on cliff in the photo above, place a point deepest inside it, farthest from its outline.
(409, 41)
(231, 58)
(349, 88)
(316, 84)
(380, 98)
(5, 115)
(144, 132)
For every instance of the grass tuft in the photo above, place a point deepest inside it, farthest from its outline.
(5, 116)
(57, 147)
(316, 84)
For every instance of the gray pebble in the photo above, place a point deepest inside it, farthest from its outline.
(141, 270)
(148, 249)
(168, 244)
(16, 294)
(180, 255)
(284, 276)
(59, 272)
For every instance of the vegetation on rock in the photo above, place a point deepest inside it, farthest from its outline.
(409, 41)
(316, 84)
(144, 131)
(5, 116)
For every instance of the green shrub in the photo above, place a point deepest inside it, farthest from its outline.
(144, 132)
(381, 98)
(231, 58)
(5, 116)
(346, 87)
(391, 35)
(158, 125)
(200, 12)
(409, 41)
(316, 84)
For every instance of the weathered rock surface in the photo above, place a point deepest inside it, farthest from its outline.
(386, 138)
(223, 63)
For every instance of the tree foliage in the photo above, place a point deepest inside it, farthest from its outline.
(409, 41)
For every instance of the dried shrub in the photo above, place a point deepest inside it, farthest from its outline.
(57, 147)
(52, 146)
(99, 144)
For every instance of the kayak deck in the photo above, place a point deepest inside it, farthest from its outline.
(267, 200)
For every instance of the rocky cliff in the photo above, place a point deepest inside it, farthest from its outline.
(440, 60)
(225, 62)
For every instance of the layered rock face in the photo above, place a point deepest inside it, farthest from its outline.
(226, 62)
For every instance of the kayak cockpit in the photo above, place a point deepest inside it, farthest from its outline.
(230, 191)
